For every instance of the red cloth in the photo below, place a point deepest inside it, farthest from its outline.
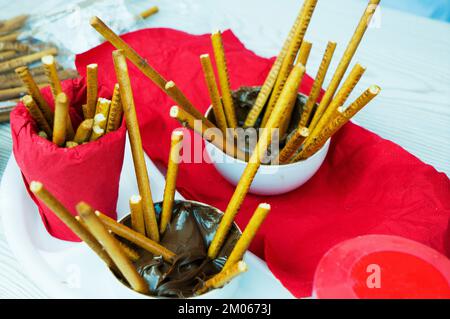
(89, 172)
(367, 185)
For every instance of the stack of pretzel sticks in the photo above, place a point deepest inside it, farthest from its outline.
(95, 228)
(101, 115)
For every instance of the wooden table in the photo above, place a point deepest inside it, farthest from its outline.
(407, 56)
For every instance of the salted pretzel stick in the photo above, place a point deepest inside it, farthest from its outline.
(171, 179)
(294, 46)
(37, 115)
(174, 92)
(249, 233)
(224, 79)
(289, 90)
(137, 215)
(13, 23)
(16, 46)
(269, 82)
(97, 132)
(60, 122)
(136, 238)
(115, 111)
(293, 145)
(66, 217)
(222, 278)
(317, 85)
(346, 59)
(70, 144)
(51, 72)
(340, 97)
(186, 119)
(149, 12)
(35, 93)
(26, 59)
(112, 247)
(213, 90)
(134, 135)
(92, 90)
(84, 131)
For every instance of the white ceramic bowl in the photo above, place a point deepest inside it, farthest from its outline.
(270, 179)
(226, 292)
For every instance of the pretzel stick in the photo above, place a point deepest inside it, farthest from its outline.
(37, 115)
(84, 131)
(171, 179)
(340, 98)
(16, 92)
(13, 23)
(51, 71)
(247, 236)
(317, 85)
(92, 90)
(26, 59)
(342, 117)
(224, 79)
(60, 122)
(136, 238)
(36, 71)
(112, 247)
(126, 95)
(174, 92)
(149, 12)
(294, 46)
(293, 145)
(346, 59)
(16, 46)
(97, 132)
(10, 37)
(13, 81)
(6, 55)
(223, 143)
(70, 144)
(35, 93)
(103, 106)
(269, 82)
(289, 90)
(303, 53)
(213, 90)
(115, 111)
(222, 278)
(137, 215)
(66, 217)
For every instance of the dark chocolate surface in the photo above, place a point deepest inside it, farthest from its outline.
(189, 235)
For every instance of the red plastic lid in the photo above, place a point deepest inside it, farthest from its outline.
(380, 266)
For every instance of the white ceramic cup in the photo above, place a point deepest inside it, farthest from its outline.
(270, 179)
(226, 292)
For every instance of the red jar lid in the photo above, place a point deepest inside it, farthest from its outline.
(380, 266)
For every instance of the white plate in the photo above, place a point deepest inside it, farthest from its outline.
(70, 270)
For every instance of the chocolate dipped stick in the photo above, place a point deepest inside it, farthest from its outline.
(222, 278)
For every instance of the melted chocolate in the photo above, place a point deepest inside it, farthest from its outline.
(189, 235)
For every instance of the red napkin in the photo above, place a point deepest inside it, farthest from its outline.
(367, 185)
(89, 172)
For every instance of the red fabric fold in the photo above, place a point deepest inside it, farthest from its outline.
(89, 172)
(367, 185)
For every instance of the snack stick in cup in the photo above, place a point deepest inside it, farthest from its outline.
(293, 145)
(171, 179)
(84, 131)
(317, 86)
(149, 12)
(223, 277)
(112, 247)
(97, 132)
(60, 122)
(175, 93)
(134, 135)
(342, 117)
(70, 144)
(269, 82)
(213, 90)
(224, 79)
(103, 107)
(247, 236)
(37, 115)
(25, 59)
(66, 217)
(92, 90)
(137, 214)
(303, 53)
(289, 91)
(346, 58)
(136, 238)
(115, 111)
(35, 93)
(294, 46)
(188, 120)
